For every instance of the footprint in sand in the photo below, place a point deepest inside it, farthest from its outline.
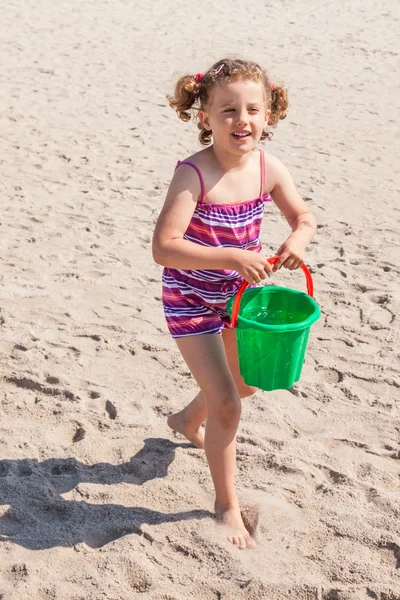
(111, 410)
(335, 477)
(79, 435)
(330, 375)
(381, 318)
(18, 573)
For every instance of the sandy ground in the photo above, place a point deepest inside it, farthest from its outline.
(98, 499)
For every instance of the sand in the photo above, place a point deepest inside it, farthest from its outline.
(98, 498)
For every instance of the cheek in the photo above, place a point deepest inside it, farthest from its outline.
(263, 121)
(225, 120)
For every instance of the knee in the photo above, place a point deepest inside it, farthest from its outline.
(226, 407)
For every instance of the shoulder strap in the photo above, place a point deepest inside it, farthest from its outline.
(203, 187)
(262, 169)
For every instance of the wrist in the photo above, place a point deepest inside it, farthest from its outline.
(232, 258)
(303, 236)
(305, 227)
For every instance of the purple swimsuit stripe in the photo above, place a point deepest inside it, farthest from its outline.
(195, 301)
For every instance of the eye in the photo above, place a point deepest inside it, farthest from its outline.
(253, 109)
(227, 110)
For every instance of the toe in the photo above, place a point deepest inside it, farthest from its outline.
(236, 541)
(250, 543)
(242, 543)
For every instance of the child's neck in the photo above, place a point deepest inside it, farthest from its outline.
(231, 162)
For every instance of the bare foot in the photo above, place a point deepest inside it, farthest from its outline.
(237, 533)
(195, 435)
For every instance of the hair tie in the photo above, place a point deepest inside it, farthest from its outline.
(272, 86)
(198, 77)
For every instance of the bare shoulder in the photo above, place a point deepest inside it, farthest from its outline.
(186, 179)
(201, 159)
(275, 170)
(273, 164)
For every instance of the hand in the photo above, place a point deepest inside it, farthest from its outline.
(291, 254)
(251, 266)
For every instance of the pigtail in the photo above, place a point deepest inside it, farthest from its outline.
(279, 104)
(185, 96)
(205, 135)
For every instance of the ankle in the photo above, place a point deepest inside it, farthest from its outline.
(225, 505)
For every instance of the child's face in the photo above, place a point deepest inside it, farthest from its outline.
(236, 114)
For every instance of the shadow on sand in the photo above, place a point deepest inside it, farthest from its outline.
(38, 517)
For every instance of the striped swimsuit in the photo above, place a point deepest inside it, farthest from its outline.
(195, 301)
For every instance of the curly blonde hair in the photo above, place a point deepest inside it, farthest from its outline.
(192, 93)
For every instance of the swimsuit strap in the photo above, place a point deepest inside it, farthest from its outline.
(203, 187)
(262, 164)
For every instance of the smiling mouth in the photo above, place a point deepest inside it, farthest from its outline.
(240, 135)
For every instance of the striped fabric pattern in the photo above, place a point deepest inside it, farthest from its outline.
(195, 301)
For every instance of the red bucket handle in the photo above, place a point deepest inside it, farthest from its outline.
(272, 261)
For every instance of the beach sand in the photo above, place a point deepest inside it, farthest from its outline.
(98, 498)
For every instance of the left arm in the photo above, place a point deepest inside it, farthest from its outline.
(297, 214)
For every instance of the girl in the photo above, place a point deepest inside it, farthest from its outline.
(207, 238)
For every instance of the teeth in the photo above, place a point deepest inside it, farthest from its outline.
(241, 134)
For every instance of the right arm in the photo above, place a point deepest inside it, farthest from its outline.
(171, 250)
(169, 247)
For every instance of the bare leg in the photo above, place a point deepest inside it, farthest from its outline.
(189, 421)
(206, 358)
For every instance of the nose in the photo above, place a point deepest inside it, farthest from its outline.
(242, 117)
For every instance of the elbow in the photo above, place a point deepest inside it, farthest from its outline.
(313, 222)
(158, 254)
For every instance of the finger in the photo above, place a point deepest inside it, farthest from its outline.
(294, 263)
(281, 260)
(291, 263)
(252, 279)
(262, 274)
(268, 268)
(297, 265)
(288, 264)
(281, 250)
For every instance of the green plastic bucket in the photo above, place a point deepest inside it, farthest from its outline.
(272, 329)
